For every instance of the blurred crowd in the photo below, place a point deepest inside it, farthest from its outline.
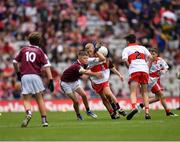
(66, 25)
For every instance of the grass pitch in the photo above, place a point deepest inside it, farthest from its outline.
(63, 126)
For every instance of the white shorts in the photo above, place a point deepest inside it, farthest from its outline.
(69, 87)
(31, 84)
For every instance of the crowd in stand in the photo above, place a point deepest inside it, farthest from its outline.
(66, 25)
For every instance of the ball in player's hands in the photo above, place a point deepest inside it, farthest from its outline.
(103, 50)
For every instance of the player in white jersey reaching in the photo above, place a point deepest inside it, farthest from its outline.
(158, 67)
(135, 57)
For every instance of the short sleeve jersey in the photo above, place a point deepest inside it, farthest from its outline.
(31, 59)
(136, 56)
(72, 74)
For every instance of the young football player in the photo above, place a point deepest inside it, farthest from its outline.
(158, 67)
(135, 57)
(101, 86)
(28, 64)
(70, 83)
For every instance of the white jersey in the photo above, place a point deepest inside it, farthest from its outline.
(158, 67)
(136, 55)
(95, 66)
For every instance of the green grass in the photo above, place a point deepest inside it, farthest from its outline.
(64, 126)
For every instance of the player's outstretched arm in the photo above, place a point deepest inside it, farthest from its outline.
(89, 72)
(115, 71)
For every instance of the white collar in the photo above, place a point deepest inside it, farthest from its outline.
(34, 46)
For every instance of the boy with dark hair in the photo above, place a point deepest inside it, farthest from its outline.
(135, 57)
(158, 67)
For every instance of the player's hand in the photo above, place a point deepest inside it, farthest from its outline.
(18, 76)
(51, 85)
(99, 75)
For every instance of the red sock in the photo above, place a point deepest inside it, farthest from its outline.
(146, 109)
(167, 110)
(133, 105)
(110, 111)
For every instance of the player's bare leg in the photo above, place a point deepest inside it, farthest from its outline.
(27, 106)
(146, 100)
(42, 108)
(161, 97)
(108, 106)
(82, 93)
(133, 87)
(113, 101)
(153, 100)
(75, 105)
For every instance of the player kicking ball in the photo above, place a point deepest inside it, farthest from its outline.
(70, 83)
(158, 67)
(28, 64)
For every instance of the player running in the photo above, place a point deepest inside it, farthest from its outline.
(70, 83)
(28, 64)
(158, 67)
(135, 57)
(101, 86)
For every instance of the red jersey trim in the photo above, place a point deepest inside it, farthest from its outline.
(154, 74)
(99, 67)
(136, 55)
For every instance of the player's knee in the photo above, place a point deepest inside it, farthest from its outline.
(75, 102)
(160, 94)
(157, 98)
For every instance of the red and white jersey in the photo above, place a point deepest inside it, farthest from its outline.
(169, 17)
(136, 55)
(95, 66)
(31, 59)
(158, 67)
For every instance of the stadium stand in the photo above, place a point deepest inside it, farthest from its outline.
(68, 24)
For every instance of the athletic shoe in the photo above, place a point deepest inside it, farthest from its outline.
(147, 116)
(122, 112)
(90, 113)
(45, 124)
(79, 117)
(171, 114)
(26, 120)
(131, 114)
(114, 115)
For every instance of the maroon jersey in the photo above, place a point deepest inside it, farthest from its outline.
(31, 59)
(72, 73)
